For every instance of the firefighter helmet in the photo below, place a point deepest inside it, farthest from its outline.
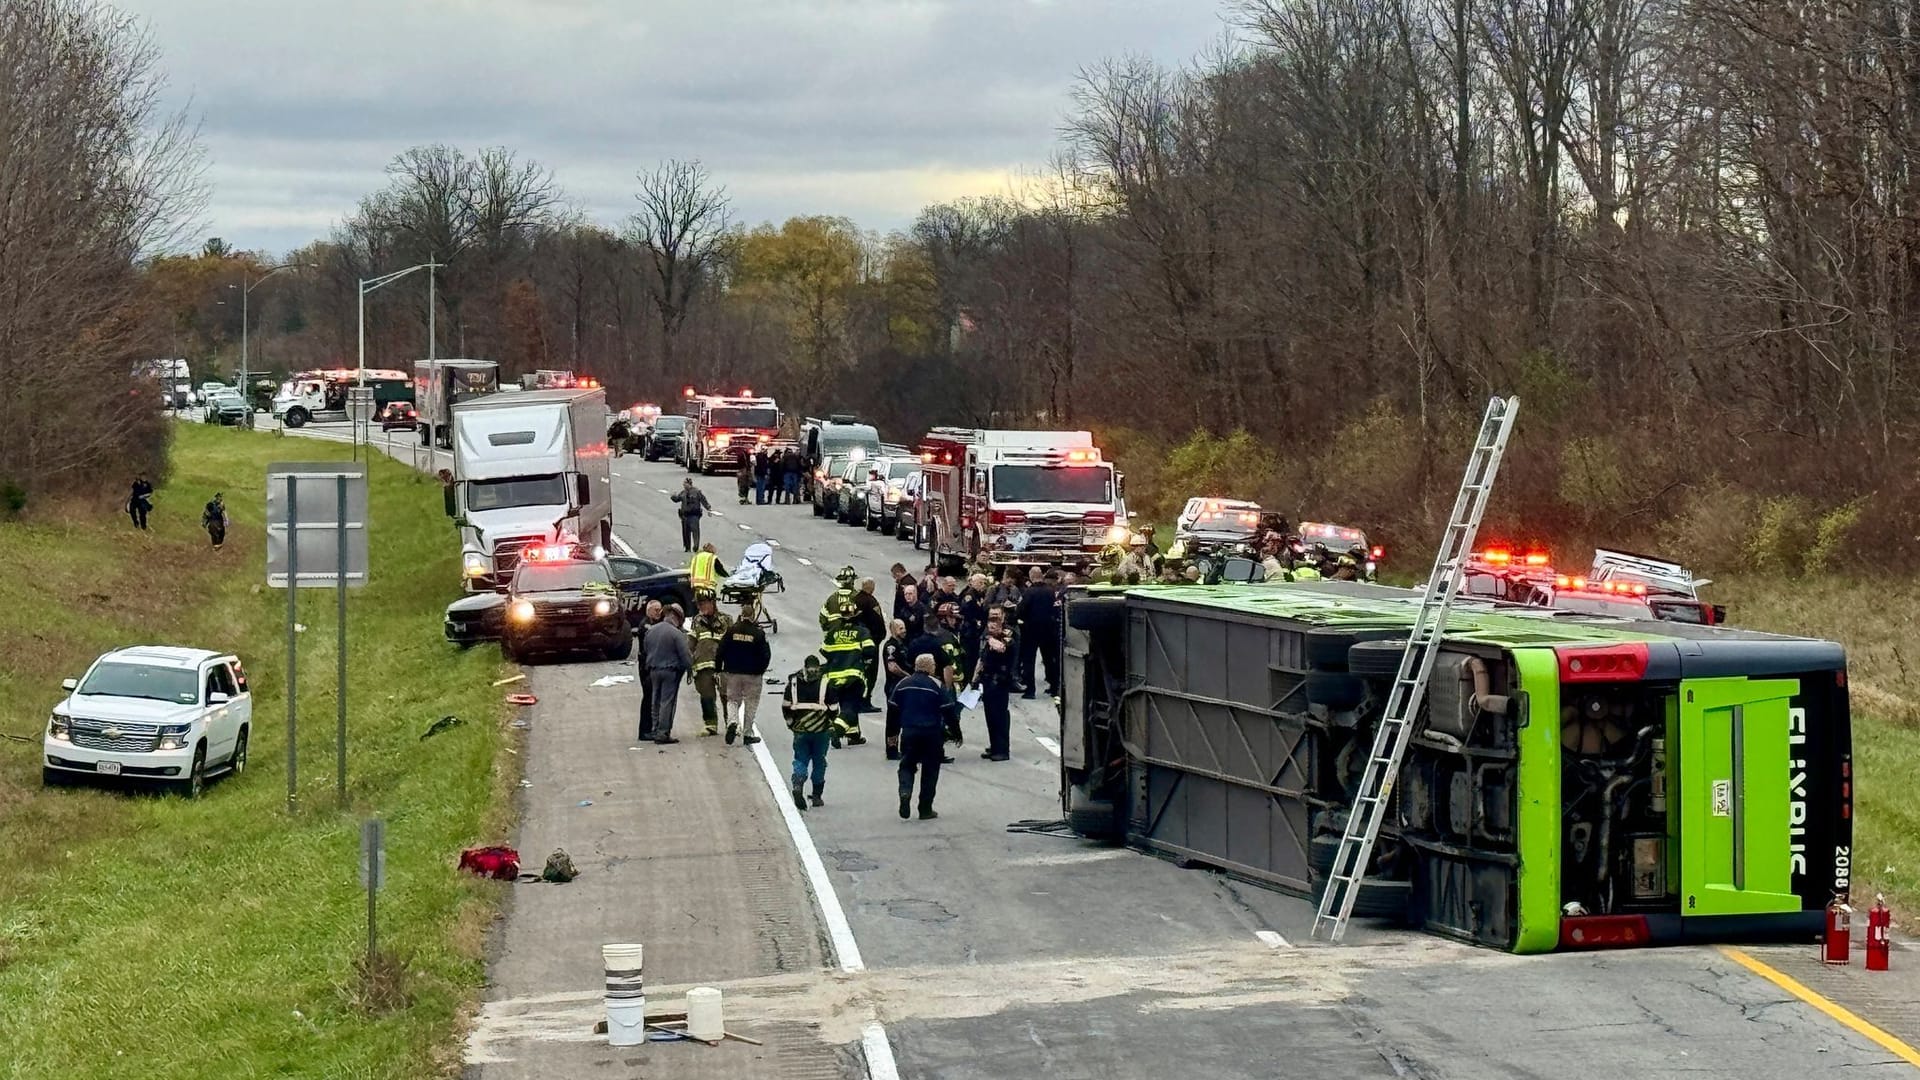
(846, 577)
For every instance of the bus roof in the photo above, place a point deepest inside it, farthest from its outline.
(1349, 604)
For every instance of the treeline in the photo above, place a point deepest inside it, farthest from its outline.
(92, 174)
(1683, 231)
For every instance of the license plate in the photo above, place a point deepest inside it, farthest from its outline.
(565, 633)
(108, 768)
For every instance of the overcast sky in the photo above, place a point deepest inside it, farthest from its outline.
(866, 108)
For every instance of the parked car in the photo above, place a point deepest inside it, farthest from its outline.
(225, 407)
(485, 616)
(882, 495)
(906, 525)
(826, 484)
(850, 503)
(399, 416)
(668, 439)
(151, 712)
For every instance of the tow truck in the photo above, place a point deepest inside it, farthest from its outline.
(1041, 498)
(316, 396)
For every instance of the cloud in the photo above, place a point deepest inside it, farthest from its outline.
(865, 108)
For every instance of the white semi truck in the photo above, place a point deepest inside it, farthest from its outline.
(529, 469)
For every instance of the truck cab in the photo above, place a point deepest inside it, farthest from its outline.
(530, 469)
(321, 396)
(1022, 497)
(724, 426)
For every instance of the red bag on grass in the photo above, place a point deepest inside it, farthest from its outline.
(500, 863)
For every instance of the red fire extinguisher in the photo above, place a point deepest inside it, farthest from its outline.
(1879, 930)
(1837, 945)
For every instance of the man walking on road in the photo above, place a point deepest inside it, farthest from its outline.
(809, 714)
(708, 628)
(744, 657)
(922, 703)
(693, 504)
(650, 618)
(669, 662)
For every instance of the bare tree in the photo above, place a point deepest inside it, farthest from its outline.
(682, 224)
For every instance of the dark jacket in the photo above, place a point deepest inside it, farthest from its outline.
(917, 616)
(808, 705)
(869, 615)
(893, 653)
(942, 645)
(664, 648)
(762, 464)
(693, 502)
(921, 703)
(1037, 609)
(744, 649)
(995, 668)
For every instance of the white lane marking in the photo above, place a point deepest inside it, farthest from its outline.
(623, 547)
(772, 542)
(880, 1064)
(873, 1037)
(839, 932)
(1272, 939)
(803, 561)
(1052, 746)
(641, 483)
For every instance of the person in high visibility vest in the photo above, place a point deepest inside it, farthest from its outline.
(705, 570)
(845, 647)
(708, 629)
(840, 606)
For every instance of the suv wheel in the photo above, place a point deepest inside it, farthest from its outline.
(196, 781)
(237, 764)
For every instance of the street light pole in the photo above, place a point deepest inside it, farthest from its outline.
(247, 285)
(368, 285)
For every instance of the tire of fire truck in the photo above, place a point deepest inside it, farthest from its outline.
(1096, 613)
(1379, 898)
(1376, 658)
(296, 418)
(1335, 690)
(1095, 819)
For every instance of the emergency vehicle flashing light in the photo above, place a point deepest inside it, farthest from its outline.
(1615, 588)
(1379, 552)
(548, 553)
(686, 391)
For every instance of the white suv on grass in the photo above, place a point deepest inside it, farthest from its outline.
(152, 712)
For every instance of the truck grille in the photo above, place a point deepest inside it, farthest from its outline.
(563, 612)
(127, 738)
(507, 552)
(1055, 534)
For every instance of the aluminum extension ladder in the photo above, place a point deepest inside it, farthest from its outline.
(1390, 739)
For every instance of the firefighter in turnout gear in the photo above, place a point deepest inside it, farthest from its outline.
(840, 606)
(1306, 567)
(707, 630)
(847, 646)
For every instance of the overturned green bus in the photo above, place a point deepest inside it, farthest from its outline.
(1573, 781)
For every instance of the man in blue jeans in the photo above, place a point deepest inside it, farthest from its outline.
(923, 705)
(809, 709)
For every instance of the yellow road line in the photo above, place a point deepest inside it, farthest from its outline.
(1791, 985)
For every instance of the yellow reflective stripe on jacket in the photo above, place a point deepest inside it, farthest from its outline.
(702, 571)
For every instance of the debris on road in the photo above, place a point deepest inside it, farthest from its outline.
(522, 677)
(611, 680)
(522, 699)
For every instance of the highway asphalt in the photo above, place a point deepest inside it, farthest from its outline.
(957, 949)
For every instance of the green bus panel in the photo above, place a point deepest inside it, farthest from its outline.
(1537, 822)
(1734, 785)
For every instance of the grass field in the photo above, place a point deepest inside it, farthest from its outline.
(148, 936)
(1877, 621)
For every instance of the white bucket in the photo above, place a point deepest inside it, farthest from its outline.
(626, 995)
(704, 1019)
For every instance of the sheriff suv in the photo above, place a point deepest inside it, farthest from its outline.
(152, 712)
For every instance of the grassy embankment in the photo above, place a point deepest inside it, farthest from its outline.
(149, 936)
(1878, 622)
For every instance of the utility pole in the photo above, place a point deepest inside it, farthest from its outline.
(247, 285)
(368, 285)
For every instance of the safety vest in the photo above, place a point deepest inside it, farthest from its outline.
(707, 630)
(844, 651)
(806, 707)
(704, 572)
(838, 606)
(1306, 572)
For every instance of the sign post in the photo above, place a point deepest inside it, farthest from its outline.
(359, 415)
(373, 872)
(314, 541)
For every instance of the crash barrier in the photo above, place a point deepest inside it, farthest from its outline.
(704, 1020)
(626, 997)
